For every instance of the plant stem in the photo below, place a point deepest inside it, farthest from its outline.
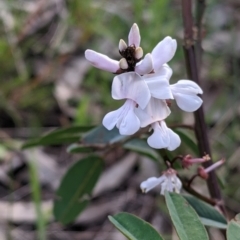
(192, 71)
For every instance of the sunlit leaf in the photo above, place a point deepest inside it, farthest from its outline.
(133, 227)
(185, 219)
(76, 186)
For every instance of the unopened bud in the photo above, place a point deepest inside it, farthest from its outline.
(122, 45)
(123, 63)
(138, 53)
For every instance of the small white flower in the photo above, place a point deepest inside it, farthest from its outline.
(163, 137)
(168, 181)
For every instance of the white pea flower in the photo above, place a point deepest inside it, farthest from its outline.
(163, 137)
(168, 181)
(132, 87)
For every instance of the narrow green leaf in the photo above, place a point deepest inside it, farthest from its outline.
(141, 146)
(207, 212)
(75, 188)
(100, 136)
(211, 223)
(185, 219)
(58, 136)
(188, 141)
(77, 148)
(134, 228)
(233, 230)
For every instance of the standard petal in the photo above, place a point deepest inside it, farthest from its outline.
(158, 84)
(175, 140)
(151, 183)
(163, 52)
(134, 37)
(155, 111)
(101, 61)
(145, 66)
(188, 103)
(186, 86)
(131, 86)
(159, 138)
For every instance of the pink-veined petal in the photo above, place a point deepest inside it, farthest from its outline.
(160, 137)
(132, 86)
(151, 183)
(134, 37)
(188, 103)
(155, 111)
(145, 66)
(175, 140)
(163, 52)
(101, 61)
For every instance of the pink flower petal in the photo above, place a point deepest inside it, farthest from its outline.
(134, 37)
(163, 52)
(101, 61)
(131, 86)
(145, 66)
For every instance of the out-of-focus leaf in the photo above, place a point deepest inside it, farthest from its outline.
(211, 223)
(100, 136)
(206, 212)
(140, 146)
(233, 230)
(77, 148)
(58, 136)
(185, 219)
(188, 141)
(75, 188)
(133, 227)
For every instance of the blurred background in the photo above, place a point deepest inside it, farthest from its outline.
(45, 83)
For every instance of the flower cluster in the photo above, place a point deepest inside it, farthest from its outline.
(143, 81)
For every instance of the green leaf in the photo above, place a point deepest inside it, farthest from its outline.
(133, 227)
(208, 213)
(211, 223)
(188, 141)
(75, 188)
(185, 219)
(233, 230)
(141, 146)
(78, 148)
(100, 136)
(58, 136)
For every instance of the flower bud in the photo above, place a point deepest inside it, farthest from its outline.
(123, 63)
(138, 53)
(122, 45)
